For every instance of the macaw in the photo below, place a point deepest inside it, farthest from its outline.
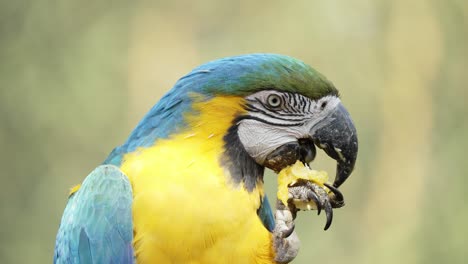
(187, 185)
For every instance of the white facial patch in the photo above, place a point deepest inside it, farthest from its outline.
(268, 127)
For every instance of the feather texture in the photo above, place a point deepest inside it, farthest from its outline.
(96, 226)
(232, 76)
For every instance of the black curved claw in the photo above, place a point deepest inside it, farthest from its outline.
(339, 199)
(312, 196)
(329, 213)
(288, 232)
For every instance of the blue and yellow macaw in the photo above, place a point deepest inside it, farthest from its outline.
(187, 185)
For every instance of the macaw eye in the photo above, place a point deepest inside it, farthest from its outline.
(274, 100)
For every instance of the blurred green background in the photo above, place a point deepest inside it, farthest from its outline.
(76, 77)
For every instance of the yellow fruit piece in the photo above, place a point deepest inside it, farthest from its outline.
(289, 175)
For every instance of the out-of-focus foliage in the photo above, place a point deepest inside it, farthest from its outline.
(76, 76)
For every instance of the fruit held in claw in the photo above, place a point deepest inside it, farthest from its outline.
(290, 175)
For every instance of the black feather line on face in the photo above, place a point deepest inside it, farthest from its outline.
(242, 167)
(271, 123)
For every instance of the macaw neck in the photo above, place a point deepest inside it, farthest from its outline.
(218, 117)
(242, 167)
(208, 134)
(164, 119)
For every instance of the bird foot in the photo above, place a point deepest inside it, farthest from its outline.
(303, 195)
(285, 241)
(307, 195)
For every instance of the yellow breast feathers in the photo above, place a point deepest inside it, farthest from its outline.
(185, 208)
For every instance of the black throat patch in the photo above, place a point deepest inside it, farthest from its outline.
(242, 167)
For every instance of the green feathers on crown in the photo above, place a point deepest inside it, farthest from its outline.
(246, 74)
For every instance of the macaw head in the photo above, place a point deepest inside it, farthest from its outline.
(282, 127)
(289, 110)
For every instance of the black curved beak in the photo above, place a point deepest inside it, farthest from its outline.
(336, 135)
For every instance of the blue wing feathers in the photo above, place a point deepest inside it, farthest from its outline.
(97, 223)
(266, 215)
(84, 249)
